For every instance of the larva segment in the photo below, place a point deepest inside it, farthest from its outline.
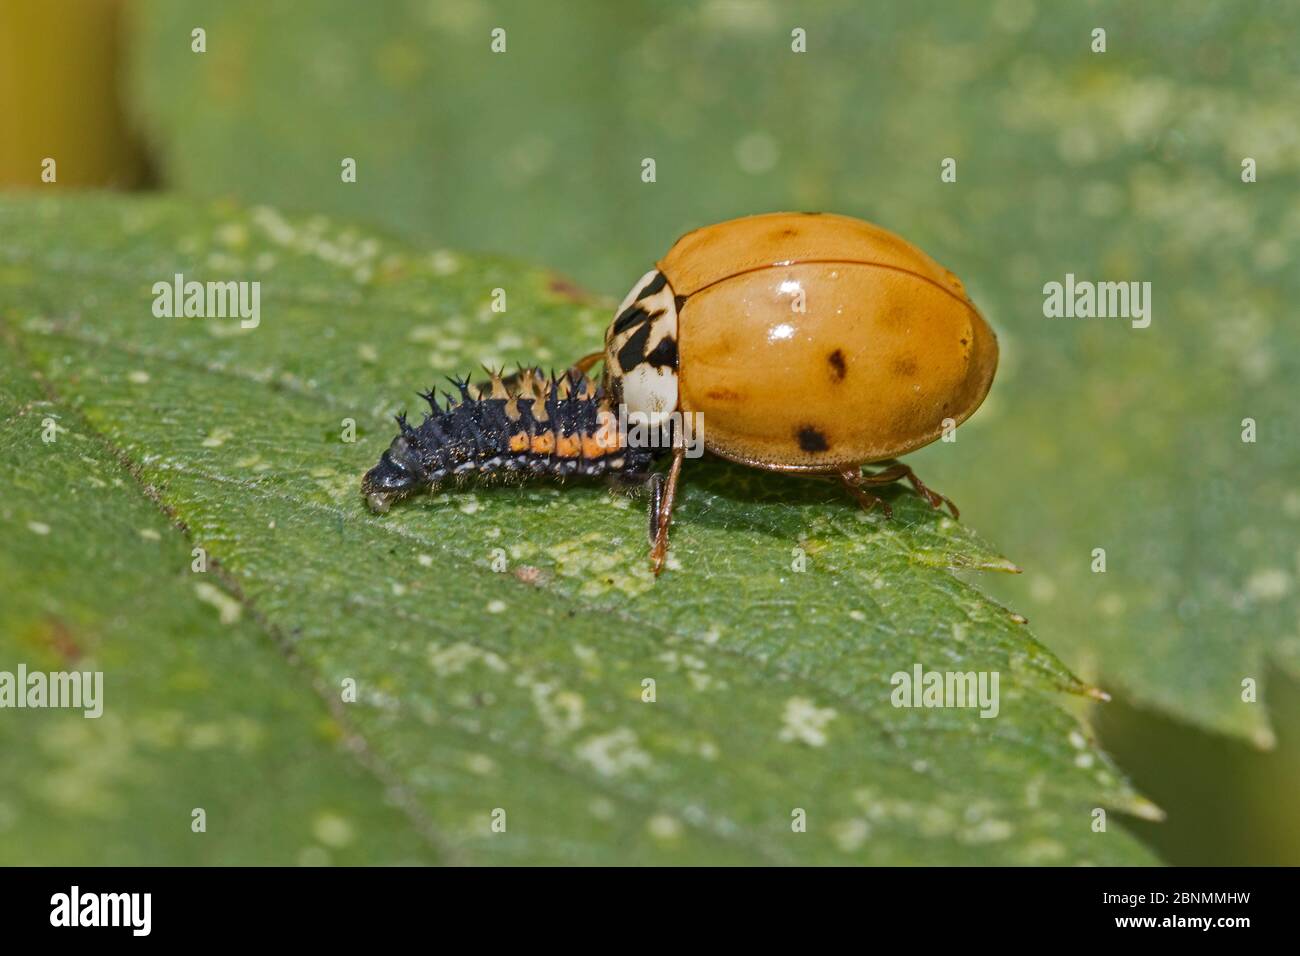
(533, 425)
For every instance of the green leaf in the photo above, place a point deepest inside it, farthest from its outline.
(200, 710)
(1123, 165)
(478, 691)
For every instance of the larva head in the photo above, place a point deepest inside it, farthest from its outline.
(641, 349)
(397, 474)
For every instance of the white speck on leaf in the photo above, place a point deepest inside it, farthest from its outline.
(332, 829)
(615, 753)
(228, 609)
(480, 764)
(454, 658)
(444, 263)
(217, 437)
(805, 722)
(664, 827)
(1268, 584)
(849, 835)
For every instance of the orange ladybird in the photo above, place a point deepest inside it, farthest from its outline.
(875, 346)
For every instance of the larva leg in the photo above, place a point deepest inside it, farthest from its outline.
(663, 495)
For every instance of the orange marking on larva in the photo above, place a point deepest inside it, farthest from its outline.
(568, 446)
(519, 442)
(543, 443)
(607, 436)
(592, 447)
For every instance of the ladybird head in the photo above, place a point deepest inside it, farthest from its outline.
(396, 476)
(641, 348)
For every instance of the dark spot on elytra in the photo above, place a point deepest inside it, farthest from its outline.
(723, 395)
(811, 440)
(787, 233)
(905, 366)
(838, 367)
(963, 341)
(897, 317)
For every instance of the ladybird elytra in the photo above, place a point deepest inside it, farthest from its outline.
(811, 342)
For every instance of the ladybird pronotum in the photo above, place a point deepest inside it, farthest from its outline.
(807, 343)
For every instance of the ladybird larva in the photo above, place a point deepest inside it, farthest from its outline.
(530, 425)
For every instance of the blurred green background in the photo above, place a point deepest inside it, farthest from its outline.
(1118, 165)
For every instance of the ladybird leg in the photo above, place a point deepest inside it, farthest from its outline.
(584, 364)
(884, 477)
(852, 480)
(656, 488)
(899, 470)
(662, 500)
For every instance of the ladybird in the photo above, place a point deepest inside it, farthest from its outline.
(806, 343)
